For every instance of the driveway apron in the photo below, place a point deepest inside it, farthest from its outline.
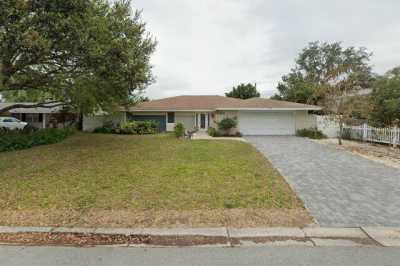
(337, 187)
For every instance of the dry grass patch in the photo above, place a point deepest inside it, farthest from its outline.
(159, 219)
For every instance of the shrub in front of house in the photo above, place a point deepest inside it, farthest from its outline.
(11, 140)
(104, 130)
(226, 128)
(212, 132)
(146, 127)
(138, 128)
(311, 133)
(179, 130)
(218, 133)
(107, 128)
(130, 128)
(227, 124)
(29, 129)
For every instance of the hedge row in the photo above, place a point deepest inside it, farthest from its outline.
(311, 133)
(130, 128)
(19, 139)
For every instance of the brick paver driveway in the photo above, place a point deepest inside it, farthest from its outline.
(338, 188)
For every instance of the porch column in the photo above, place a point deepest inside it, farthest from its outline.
(44, 121)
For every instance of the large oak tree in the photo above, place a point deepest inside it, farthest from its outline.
(313, 69)
(89, 54)
(385, 100)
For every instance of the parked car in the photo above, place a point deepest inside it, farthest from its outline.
(12, 123)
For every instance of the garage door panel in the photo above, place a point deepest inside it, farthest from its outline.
(266, 123)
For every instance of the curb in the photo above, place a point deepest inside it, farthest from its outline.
(272, 236)
(386, 236)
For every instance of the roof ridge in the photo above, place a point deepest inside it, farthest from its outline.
(200, 102)
(201, 95)
(274, 100)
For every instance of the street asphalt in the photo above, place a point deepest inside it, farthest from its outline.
(52, 256)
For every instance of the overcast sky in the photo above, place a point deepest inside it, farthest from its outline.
(208, 46)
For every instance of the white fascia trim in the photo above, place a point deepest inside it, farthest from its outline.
(269, 109)
(172, 110)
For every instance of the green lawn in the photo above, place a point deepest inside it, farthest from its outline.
(90, 179)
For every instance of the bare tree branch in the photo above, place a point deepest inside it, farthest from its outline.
(50, 104)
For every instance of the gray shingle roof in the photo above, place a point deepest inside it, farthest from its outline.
(215, 102)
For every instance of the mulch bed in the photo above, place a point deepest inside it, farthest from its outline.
(80, 239)
(89, 239)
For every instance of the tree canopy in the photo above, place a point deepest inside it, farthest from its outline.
(340, 94)
(385, 99)
(89, 54)
(243, 91)
(314, 67)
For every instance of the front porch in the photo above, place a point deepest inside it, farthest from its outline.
(199, 121)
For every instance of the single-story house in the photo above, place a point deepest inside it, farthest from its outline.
(40, 117)
(255, 116)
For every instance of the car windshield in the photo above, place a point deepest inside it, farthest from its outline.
(9, 119)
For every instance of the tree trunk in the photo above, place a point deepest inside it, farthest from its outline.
(340, 131)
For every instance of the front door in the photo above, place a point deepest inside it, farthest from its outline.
(202, 119)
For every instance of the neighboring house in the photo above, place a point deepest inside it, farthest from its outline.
(255, 116)
(42, 117)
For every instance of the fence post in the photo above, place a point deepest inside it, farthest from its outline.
(365, 131)
(396, 136)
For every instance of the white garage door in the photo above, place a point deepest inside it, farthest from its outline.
(266, 123)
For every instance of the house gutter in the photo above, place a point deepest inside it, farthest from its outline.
(227, 109)
(172, 110)
(270, 109)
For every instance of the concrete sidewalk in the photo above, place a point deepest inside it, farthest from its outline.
(229, 237)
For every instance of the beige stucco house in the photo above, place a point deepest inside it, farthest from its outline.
(255, 116)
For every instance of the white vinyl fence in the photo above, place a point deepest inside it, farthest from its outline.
(372, 134)
(329, 127)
